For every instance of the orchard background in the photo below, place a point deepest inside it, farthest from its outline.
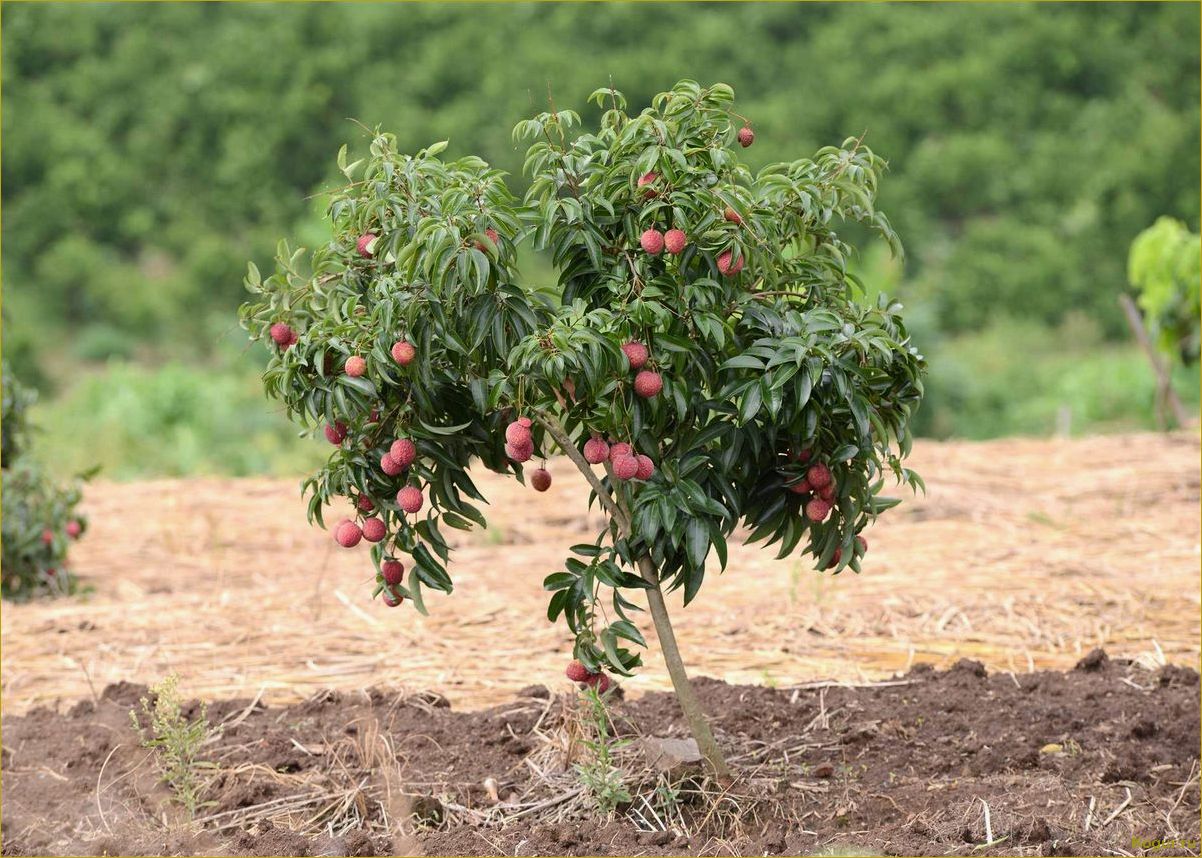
(1043, 176)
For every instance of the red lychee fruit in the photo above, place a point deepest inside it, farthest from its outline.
(819, 475)
(365, 503)
(626, 467)
(74, 528)
(746, 136)
(410, 499)
(598, 681)
(336, 432)
(516, 433)
(817, 510)
(732, 216)
(805, 455)
(366, 245)
(403, 352)
(617, 451)
(648, 384)
(726, 267)
(646, 467)
(403, 452)
(541, 480)
(348, 533)
(647, 179)
(828, 493)
(596, 451)
(636, 354)
(393, 571)
(863, 544)
(373, 529)
(835, 558)
(675, 241)
(652, 241)
(576, 671)
(801, 488)
(526, 421)
(523, 453)
(390, 465)
(47, 536)
(282, 334)
(391, 597)
(374, 417)
(355, 366)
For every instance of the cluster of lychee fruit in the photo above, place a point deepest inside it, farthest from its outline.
(626, 464)
(577, 672)
(647, 383)
(818, 483)
(519, 447)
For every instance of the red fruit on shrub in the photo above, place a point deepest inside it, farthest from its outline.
(598, 681)
(732, 216)
(647, 179)
(805, 455)
(74, 528)
(373, 529)
(390, 465)
(835, 558)
(646, 467)
(366, 244)
(409, 499)
(403, 352)
(746, 136)
(520, 452)
(576, 671)
(726, 267)
(541, 480)
(652, 241)
(393, 571)
(526, 421)
(596, 451)
(617, 451)
(355, 366)
(626, 467)
(636, 354)
(391, 597)
(828, 493)
(47, 536)
(648, 384)
(801, 488)
(675, 241)
(348, 534)
(336, 433)
(282, 334)
(819, 475)
(403, 452)
(817, 510)
(365, 503)
(517, 433)
(863, 544)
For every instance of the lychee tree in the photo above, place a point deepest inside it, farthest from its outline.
(707, 360)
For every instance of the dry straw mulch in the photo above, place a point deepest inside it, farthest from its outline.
(1025, 554)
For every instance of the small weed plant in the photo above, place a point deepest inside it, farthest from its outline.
(176, 742)
(600, 776)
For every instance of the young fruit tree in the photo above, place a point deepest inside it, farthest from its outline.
(707, 361)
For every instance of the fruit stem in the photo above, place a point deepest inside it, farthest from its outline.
(685, 695)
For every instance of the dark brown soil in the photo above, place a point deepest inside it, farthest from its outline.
(908, 767)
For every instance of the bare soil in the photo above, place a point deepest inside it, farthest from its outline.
(1102, 759)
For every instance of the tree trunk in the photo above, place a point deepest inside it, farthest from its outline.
(616, 508)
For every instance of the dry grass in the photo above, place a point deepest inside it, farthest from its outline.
(1026, 554)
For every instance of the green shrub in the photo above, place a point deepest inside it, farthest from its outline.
(40, 520)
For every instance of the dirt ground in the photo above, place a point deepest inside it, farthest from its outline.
(1025, 554)
(1101, 760)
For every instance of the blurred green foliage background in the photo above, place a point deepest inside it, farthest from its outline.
(149, 150)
